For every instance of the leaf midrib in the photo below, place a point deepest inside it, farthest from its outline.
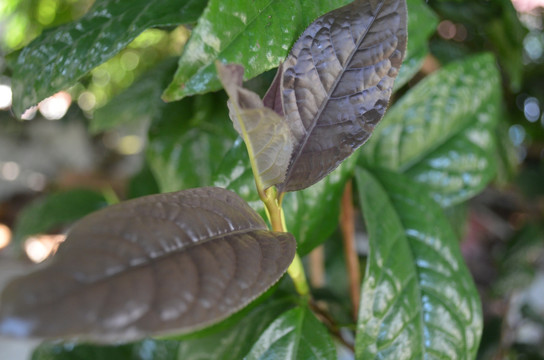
(300, 148)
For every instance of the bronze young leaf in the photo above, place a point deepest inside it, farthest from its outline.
(159, 264)
(335, 84)
(265, 133)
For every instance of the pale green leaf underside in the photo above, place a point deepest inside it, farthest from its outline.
(266, 134)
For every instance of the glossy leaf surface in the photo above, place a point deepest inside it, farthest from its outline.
(158, 264)
(188, 140)
(235, 341)
(265, 133)
(418, 299)
(54, 210)
(297, 334)
(59, 57)
(336, 83)
(252, 33)
(421, 24)
(311, 215)
(442, 132)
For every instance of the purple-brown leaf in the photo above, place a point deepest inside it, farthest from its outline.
(335, 85)
(165, 263)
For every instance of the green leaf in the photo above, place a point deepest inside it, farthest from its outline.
(255, 34)
(234, 341)
(418, 300)
(54, 210)
(59, 57)
(72, 351)
(421, 24)
(142, 184)
(295, 335)
(188, 141)
(442, 132)
(140, 102)
(149, 349)
(311, 215)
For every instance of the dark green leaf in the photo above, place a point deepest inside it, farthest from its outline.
(421, 24)
(59, 57)
(142, 184)
(148, 349)
(335, 85)
(141, 102)
(72, 351)
(158, 264)
(235, 341)
(255, 34)
(418, 300)
(507, 34)
(442, 132)
(54, 210)
(311, 215)
(295, 335)
(188, 141)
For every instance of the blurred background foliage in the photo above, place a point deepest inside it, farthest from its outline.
(65, 147)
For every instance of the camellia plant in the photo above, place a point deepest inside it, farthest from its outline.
(193, 274)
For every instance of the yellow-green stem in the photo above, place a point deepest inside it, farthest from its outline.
(277, 220)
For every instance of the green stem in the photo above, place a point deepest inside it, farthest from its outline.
(275, 212)
(277, 220)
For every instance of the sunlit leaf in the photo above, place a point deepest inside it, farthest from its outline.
(266, 134)
(442, 132)
(418, 300)
(297, 334)
(336, 83)
(254, 33)
(138, 103)
(159, 264)
(59, 57)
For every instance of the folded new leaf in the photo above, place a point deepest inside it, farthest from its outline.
(267, 136)
(166, 263)
(335, 85)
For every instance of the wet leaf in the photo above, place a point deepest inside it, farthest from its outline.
(442, 132)
(418, 299)
(336, 83)
(54, 210)
(165, 263)
(297, 334)
(252, 33)
(267, 137)
(59, 57)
